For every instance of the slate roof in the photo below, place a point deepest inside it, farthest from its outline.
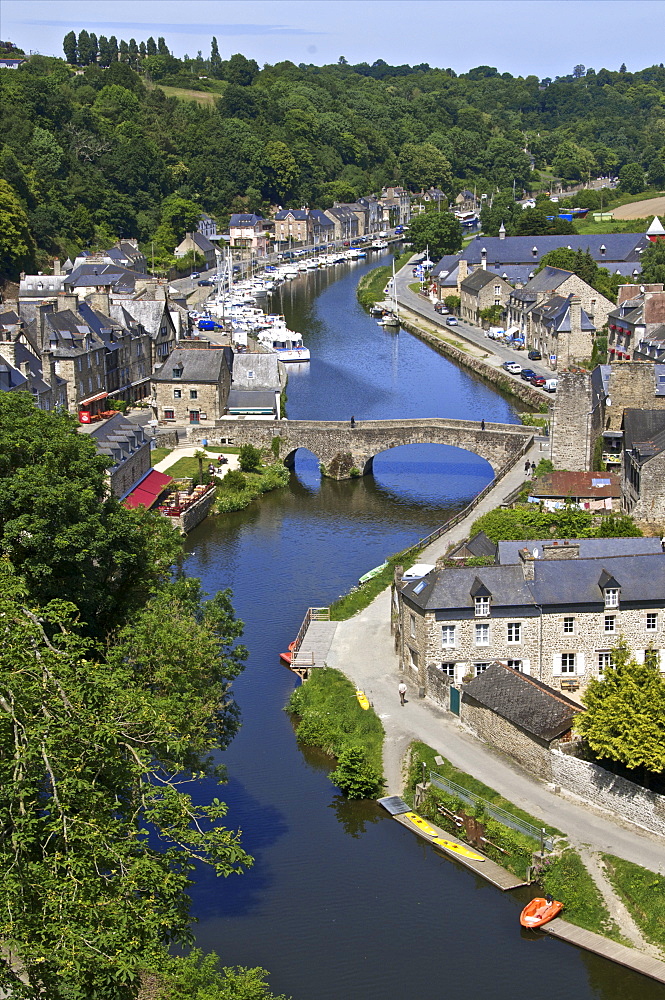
(248, 219)
(251, 399)
(321, 218)
(555, 312)
(264, 366)
(590, 548)
(117, 437)
(451, 589)
(644, 432)
(576, 484)
(480, 546)
(149, 313)
(547, 280)
(299, 214)
(576, 581)
(197, 366)
(523, 701)
(477, 281)
(519, 249)
(121, 279)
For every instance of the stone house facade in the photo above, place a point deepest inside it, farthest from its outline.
(127, 446)
(562, 331)
(248, 231)
(479, 291)
(197, 243)
(192, 387)
(637, 324)
(22, 370)
(644, 464)
(345, 221)
(293, 225)
(551, 610)
(396, 206)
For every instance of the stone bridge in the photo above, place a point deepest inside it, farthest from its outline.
(345, 452)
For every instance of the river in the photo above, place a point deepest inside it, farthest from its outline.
(342, 902)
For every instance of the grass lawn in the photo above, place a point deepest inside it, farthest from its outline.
(568, 880)
(422, 752)
(643, 892)
(157, 454)
(186, 468)
(362, 596)
(200, 96)
(331, 717)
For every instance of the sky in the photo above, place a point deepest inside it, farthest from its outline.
(546, 38)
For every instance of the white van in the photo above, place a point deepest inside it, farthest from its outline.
(551, 384)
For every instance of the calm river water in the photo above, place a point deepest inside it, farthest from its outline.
(341, 901)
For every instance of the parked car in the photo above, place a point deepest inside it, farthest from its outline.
(551, 384)
(451, 320)
(206, 324)
(535, 356)
(512, 367)
(195, 274)
(206, 281)
(538, 381)
(441, 308)
(527, 374)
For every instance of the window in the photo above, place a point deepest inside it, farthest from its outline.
(482, 635)
(611, 597)
(604, 660)
(610, 623)
(447, 635)
(448, 669)
(193, 394)
(412, 624)
(568, 663)
(514, 631)
(177, 372)
(79, 364)
(169, 414)
(652, 621)
(515, 664)
(652, 657)
(413, 656)
(480, 668)
(482, 606)
(177, 394)
(569, 625)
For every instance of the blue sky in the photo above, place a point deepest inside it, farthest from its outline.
(543, 37)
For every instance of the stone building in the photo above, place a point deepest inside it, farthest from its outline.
(553, 610)
(248, 231)
(197, 243)
(192, 387)
(644, 464)
(636, 328)
(22, 370)
(293, 225)
(127, 446)
(345, 221)
(519, 715)
(482, 290)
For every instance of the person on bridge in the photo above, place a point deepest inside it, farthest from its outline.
(482, 425)
(353, 422)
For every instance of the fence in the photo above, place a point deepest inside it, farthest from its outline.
(496, 812)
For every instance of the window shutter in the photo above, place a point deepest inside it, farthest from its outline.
(526, 667)
(579, 664)
(556, 664)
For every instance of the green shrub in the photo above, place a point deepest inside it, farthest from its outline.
(250, 458)
(354, 776)
(234, 481)
(275, 446)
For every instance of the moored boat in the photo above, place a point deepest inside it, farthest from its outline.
(287, 657)
(539, 911)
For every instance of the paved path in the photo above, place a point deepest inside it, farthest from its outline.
(178, 453)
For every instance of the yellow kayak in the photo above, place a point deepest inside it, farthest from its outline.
(420, 823)
(457, 848)
(362, 699)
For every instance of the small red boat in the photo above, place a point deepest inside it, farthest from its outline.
(539, 911)
(286, 657)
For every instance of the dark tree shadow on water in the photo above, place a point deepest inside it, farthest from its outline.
(354, 815)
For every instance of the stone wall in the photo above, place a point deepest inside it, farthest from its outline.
(194, 514)
(632, 386)
(575, 422)
(532, 753)
(438, 686)
(124, 477)
(649, 504)
(623, 798)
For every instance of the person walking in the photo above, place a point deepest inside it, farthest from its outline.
(402, 693)
(482, 425)
(527, 465)
(353, 422)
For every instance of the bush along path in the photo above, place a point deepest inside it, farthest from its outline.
(330, 717)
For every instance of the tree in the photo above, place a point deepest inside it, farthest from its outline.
(656, 175)
(250, 458)
(105, 53)
(215, 58)
(579, 71)
(355, 776)
(452, 303)
(281, 167)
(625, 713)
(162, 47)
(151, 47)
(653, 262)
(84, 50)
(424, 166)
(438, 231)
(197, 977)
(241, 71)
(17, 247)
(631, 178)
(70, 48)
(94, 48)
(89, 754)
(59, 528)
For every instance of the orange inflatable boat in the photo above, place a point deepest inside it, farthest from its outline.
(539, 911)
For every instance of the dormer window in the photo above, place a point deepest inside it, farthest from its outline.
(481, 606)
(611, 597)
(177, 372)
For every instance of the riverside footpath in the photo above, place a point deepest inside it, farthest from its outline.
(363, 649)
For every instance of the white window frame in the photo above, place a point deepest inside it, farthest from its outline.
(610, 623)
(516, 665)
(448, 633)
(512, 629)
(412, 626)
(482, 634)
(603, 659)
(481, 607)
(570, 668)
(652, 616)
(447, 668)
(569, 619)
(480, 668)
(611, 597)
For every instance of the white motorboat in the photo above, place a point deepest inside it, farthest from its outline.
(286, 344)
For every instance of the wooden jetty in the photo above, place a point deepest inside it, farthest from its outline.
(313, 642)
(612, 950)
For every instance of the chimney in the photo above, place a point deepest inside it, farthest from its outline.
(56, 266)
(626, 292)
(575, 314)
(44, 310)
(100, 301)
(462, 273)
(67, 300)
(8, 350)
(48, 368)
(561, 550)
(528, 563)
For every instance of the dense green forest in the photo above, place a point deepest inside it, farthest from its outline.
(123, 139)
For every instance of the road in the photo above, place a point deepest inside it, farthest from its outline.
(473, 334)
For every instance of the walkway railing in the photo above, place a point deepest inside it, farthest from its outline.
(312, 615)
(496, 812)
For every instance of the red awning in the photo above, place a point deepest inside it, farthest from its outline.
(93, 399)
(147, 491)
